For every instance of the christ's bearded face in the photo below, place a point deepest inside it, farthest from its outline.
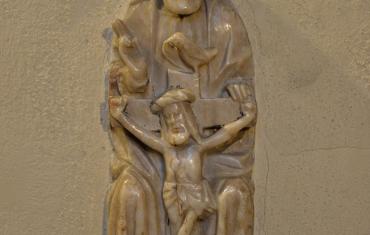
(183, 7)
(177, 132)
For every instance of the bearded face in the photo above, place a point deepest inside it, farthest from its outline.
(183, 7)
(177, 133)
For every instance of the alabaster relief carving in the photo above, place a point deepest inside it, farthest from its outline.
(182, 114)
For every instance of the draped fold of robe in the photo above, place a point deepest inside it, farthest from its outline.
(133, 202)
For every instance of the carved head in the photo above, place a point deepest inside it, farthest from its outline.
(177, 118)
(183, 7)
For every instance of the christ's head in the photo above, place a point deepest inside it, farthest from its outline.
(177, 119)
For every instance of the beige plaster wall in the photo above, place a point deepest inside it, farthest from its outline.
(313, 143)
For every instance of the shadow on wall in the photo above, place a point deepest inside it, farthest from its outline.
(107, 35)
(290, 52)
(306, 98)
(304, 92)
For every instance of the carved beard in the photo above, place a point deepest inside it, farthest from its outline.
(183, 7)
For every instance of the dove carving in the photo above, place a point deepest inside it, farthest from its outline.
(179, 50)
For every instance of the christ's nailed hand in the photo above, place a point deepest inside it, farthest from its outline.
(242, 93)
(249, 108)
(117, 104)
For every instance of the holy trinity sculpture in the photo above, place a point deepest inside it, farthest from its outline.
(182, 113)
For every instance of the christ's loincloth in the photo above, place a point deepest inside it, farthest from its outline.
(185, 197)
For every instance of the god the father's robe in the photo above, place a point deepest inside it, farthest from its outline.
(215, 25)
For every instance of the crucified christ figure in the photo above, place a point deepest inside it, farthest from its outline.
(187, 195)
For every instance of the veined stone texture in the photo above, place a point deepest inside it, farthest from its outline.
(312, 69)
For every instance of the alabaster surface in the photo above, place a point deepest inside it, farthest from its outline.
(183, 111)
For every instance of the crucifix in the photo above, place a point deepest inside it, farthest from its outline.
(182, 111)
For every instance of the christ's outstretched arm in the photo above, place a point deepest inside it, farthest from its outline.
(117, 105)
(229, 131)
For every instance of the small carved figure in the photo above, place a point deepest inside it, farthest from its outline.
(187, 195)
(131, 69)
(178, 47)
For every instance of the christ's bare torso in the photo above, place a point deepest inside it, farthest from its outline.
(183, 164)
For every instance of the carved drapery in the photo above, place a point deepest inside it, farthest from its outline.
(192, 64)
